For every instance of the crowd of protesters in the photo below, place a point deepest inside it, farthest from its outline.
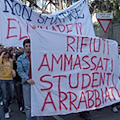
(10, 81)
(16, 79)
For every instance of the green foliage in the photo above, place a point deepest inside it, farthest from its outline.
(97, 6)
(105, 6)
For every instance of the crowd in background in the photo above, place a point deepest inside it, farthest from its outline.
(16, 79)
(10, 81)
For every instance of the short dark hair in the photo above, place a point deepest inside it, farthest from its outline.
(26, 41)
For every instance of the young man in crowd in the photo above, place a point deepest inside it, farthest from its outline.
(24, 71)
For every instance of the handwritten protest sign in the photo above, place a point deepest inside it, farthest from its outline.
(16, 19)
(72, 73)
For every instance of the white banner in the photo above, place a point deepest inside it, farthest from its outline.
(73, 73)
(16, 19)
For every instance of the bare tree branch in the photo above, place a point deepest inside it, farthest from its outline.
(54, 4)
(34, 4)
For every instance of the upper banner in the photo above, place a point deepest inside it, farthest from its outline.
(73, 73)
(16, 19)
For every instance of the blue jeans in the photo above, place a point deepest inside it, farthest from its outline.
(7, 87)
(27, 101)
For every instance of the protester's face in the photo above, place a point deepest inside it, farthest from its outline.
(119, 49)
(27, 48)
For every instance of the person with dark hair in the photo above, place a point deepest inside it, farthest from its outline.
(7, 86)
(24, 71)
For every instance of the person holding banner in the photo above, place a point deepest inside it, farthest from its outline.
(24, 71)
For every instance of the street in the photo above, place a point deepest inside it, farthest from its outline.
(102, 114)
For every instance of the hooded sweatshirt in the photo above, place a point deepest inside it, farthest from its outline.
(6, 68)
